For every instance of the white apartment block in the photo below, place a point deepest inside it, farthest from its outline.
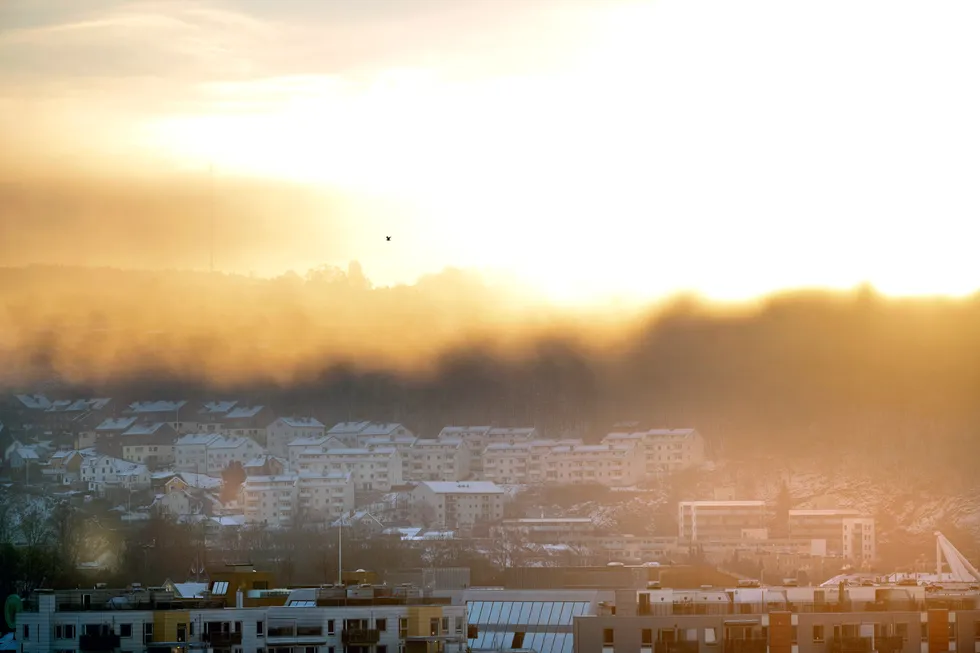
(716, 521)
(104, 473)
(209, 453)
(284, 430)
(296, 448)
(458, 505)
(859, 540)
(73, 620)
(827, 525)
(606, 464)
(376, 469)
(325, 496)
(562, 462)
(436, 460)
(354, 434)
(270, 500)
(664, 450)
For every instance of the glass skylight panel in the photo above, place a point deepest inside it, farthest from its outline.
(523, 614)
(220, 587)
(546, 610)
(565, 617)
(563, 643)
(580, 608)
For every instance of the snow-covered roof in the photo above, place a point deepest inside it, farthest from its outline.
(145, 429)
(463, 487)
(282, 478)
(34, 402)
(302, 422)
(379, 428)
(78, 405)
(309, 441)
(243, 412)
(197, 439)
(116, 424)
(217, 407)
(27, 453)
(156, 406)
(200, 481)
(229, 520)
(461, 431)
(436, 443)
(522, 432)
(347, 428)
(118, 466)
(230, 442)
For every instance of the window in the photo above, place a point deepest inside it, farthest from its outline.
(445, 624)
(818, 635)
(402, 628)
(27, 631)
(902, 630)
(381, 624)
(381, 648)
(259, 627)
(952, 631)
(711, 635)
(434, 627)
(607, 637)
(330, 627)
(924, 632)
(795, 631)
(976, 629)
(220, 588)
(646, 637)
(125, 630)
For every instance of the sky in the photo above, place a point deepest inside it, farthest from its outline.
(589, 148)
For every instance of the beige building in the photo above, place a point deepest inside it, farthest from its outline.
(612, 465)
(706, 521)
(284, 430)
(859, 540)
(665, 450)
(270, 500)
(458, 505)
(376, 469)
(325, 496)
(436, 460)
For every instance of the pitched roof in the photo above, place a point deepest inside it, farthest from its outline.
(302, 422)
(464, 487)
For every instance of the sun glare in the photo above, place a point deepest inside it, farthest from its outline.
(653, 164)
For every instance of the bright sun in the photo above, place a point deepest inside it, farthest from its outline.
(677, 153)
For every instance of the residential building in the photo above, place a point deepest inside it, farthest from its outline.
(211, 414)
(270, 500)
(458, 505)
(886, 619)
(224, 450)
(389, 430)
(347, 432)
(104, 473)
(363, 619)
(265, 466)
(376, 469)
(162, 411)
(859, 540)
(248, 422)
(296, 447)
(721, 520)
(212, 453)
(284, 430)
(827, 525)
(325, 496)
(67, 414)
(150, 444)
(64, 467)
(105, 436)
(612, 465)
(665, 450)
(436, 460)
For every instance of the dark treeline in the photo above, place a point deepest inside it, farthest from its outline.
(801, 373)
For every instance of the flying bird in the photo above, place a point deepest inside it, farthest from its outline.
(387, 237)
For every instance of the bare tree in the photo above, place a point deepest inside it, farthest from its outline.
(35, 526)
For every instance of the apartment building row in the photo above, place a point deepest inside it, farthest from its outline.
(288, 499)
(327, 620)
(787, 620)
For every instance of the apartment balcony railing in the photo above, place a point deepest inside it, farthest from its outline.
(361, 636)
(751, 645)
(849, 645)
(675, 647)
(222, 639)
(98, 643)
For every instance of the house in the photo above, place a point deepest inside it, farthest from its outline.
(223, 451)
(23, 456)
(325, 496)
(212, 414)
(457, 505)
(105, 436)
(178, 504)
(284, 430)
(296, 447)
(248, 422)
(270, 500)
(191, 451)
(63, 414)
(162, 411)
(104, 473)
(382, 430)
(347, 432)
(151, 444)
(63, 467)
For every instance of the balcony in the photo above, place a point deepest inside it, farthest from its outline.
(751, 645)
(361, 636)
(676, 647)
(222, 639)
(849, 645)
(101, 642)
(892, 644)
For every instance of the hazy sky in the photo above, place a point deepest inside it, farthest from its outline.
(590, 146)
